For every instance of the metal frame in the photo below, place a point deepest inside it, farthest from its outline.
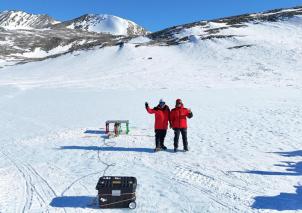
(117, 126)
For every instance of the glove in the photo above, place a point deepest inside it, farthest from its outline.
(146, 105)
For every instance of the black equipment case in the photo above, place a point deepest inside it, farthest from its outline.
(116, 192)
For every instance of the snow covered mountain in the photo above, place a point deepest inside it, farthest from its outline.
(90, 22)
(105, 24)
(250, 52)
(22, 20)
(241, 76)
(220, 28)
(25, 37)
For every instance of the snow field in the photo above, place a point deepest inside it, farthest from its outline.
(56, 165)
(244, 138)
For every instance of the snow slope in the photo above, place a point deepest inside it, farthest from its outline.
(244, 138)
(260, 55)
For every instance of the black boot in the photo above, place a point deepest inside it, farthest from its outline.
(163, 147)
(175, 149)
(156, 149)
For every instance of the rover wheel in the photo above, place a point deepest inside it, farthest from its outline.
(132, 205)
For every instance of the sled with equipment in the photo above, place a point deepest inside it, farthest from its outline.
(117, 192)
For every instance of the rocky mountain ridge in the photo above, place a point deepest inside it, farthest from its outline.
(26, 37)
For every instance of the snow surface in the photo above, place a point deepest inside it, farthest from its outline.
(199, 30)
(7, 42)
(140, 40)
(39, 53)
(244, 139)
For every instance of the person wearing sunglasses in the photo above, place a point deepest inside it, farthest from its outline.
(162, 115)
(178, 120)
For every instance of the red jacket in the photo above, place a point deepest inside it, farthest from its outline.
(161, 116)
(178, 117)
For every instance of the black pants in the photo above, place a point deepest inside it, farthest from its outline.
(184, 137)
(160, 135)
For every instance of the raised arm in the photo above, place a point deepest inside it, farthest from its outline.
(150, 111)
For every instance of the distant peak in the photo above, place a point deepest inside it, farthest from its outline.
(15, 19)
(105, 23)
(20, 12)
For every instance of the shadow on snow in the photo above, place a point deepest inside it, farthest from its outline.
(100, 133)
(297, 153)
(107, 149)
(292, 169)
(95, 132)
(74, 202)
(103, 134)
(283, 201)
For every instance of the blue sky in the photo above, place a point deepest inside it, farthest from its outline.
(153, 14)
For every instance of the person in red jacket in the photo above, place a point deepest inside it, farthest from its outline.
(162, 114)
(178, 120)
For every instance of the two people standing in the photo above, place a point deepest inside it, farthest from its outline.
(177, 118)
